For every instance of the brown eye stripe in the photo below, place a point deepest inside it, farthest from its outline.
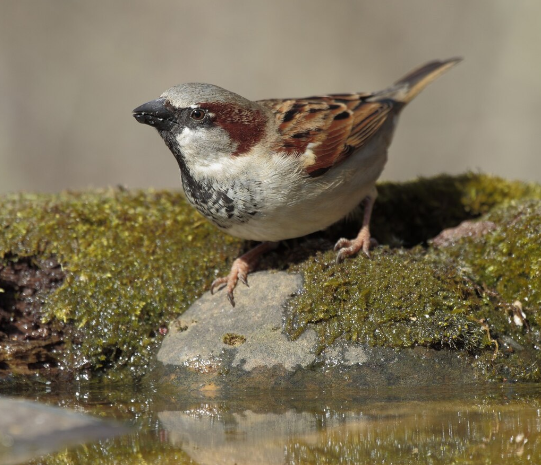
(245, 126)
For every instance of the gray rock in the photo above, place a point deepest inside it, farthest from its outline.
(251, 332)
(214, 346)
(30, 429)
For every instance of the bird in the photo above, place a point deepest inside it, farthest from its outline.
(277, 169)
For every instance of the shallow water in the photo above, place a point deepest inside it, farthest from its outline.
(454, 424)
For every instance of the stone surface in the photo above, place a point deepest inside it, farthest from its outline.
(214, 346)
(251, 331)
(30, 429)
(470, 228)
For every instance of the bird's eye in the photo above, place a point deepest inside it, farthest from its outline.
(197, 114)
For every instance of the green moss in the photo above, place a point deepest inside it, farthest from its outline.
(508, 258)
(456, 297)
(507, 262)
(411, 213)
(133, 261)
(232, 339)
(397, 298)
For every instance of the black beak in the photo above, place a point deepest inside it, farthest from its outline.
(154, 113)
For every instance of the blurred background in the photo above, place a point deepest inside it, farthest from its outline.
(71, 72)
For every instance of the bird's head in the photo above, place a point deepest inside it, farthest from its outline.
(203, 123)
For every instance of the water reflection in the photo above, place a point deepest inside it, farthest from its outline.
(376, 431)
(439, 426)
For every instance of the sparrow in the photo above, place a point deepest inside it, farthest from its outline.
(277, 169)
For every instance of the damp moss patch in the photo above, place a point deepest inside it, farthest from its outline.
(507, 259)
(462, 296)
(397, 299)
(506, 262)
(132, 260)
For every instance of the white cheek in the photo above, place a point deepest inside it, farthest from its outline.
(199, 149)
(186, 137)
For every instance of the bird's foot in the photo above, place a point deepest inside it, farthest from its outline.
(240, 269)
(239, 272)
(348, 247)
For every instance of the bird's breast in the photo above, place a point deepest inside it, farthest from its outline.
(270, 197)
(224, 202)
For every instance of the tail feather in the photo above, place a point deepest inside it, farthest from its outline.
(405, 89)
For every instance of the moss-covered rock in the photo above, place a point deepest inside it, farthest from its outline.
(398, 298)
(480, 293)
(410, 213)
(506, 263)
(132, 261)
(507, 259)
(127, 262)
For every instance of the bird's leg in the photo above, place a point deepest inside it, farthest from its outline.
(348, 247)
(240, 269)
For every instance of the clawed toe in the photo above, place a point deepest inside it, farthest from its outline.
(348, 247)
(342, 243)
(243, 278)
(344, 250)
(238, 273)
(240, 269)
(231, 298)
(229, 281)
(217, 283)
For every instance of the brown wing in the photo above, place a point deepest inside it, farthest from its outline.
(333, 126)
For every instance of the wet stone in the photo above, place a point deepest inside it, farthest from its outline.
(473, 229)
(214, 346)
(248, 336)
(30, 429)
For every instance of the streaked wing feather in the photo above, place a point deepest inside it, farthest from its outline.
(369, 117)
(332, 126)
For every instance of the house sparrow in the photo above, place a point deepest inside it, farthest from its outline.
(277, 169)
